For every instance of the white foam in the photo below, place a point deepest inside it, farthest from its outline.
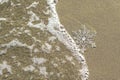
(13, 43)
(38, 60)
(54, 64)
(3, 1)
(34, 4)
(43, 71)
(3, 66)
(57, 48)
(29, 68)
(52, 39)
(46, 48)
(69, 58)
(36, 50)
(34, 17)
(3, 19)
(56, 28)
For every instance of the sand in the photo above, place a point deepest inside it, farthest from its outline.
(104, 17)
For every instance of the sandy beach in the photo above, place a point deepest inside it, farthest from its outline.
(104, 17)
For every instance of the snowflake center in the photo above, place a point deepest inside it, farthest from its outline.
(83, 38)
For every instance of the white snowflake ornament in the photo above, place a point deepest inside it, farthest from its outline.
(84, 37)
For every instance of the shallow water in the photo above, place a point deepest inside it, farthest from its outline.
(27, 50)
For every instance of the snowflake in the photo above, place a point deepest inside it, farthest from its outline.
(84, 37)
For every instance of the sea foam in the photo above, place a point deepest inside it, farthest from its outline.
(56, 28)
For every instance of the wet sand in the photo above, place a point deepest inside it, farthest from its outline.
(104, 17)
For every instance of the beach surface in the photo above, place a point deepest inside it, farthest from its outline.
(104, 17)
